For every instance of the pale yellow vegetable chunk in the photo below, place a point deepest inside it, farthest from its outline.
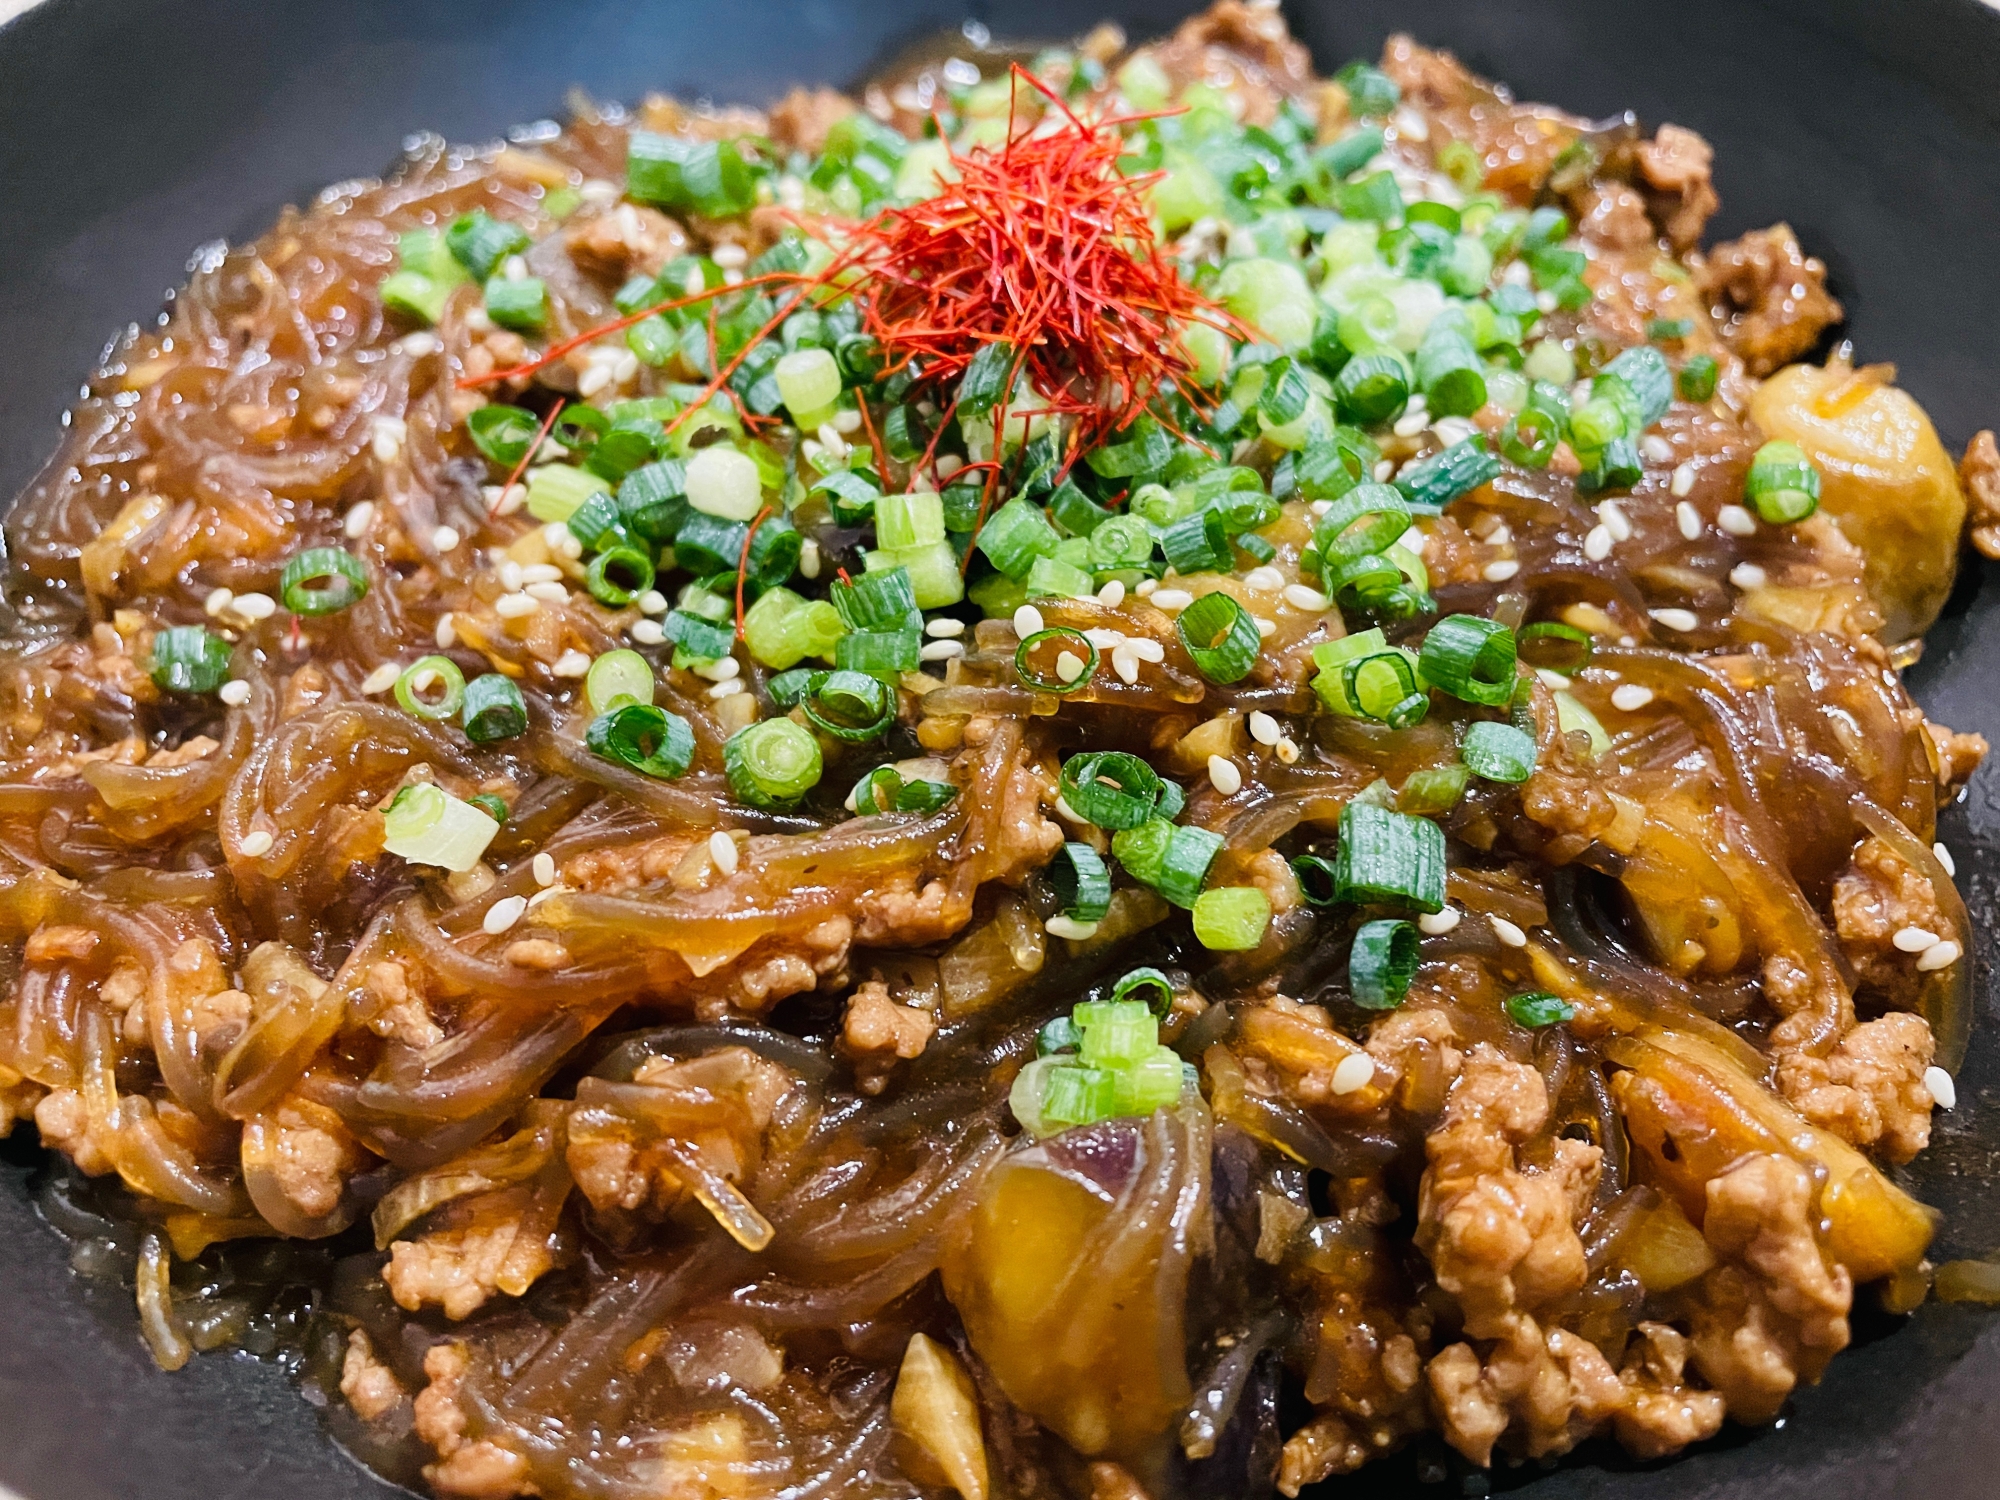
(1886, 480)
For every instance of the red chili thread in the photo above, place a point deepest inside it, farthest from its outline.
(743, 565)
(521, 468)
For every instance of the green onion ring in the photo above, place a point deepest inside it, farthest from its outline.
(1135, 985)
(1568, 661)
(643, 738)
(1316, 880)
(1082, 884)
(1381, 963)
(443, 708)
(1063, 634)
(850, 706)
(605, 589)
(1470, 658)
(345, 581)
(1129, 800)
(1220, 637)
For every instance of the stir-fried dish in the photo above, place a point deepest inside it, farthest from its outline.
(1127, 775)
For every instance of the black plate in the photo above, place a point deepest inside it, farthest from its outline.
(137, 129)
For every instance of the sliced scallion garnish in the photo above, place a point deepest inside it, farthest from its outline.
(1498, 752)
(1783, 484)
(1551, 646)
(645, 739)
(1316, 880)
(321, 580)
(437, 674)
(1470, 658)
(1220, 637)
(1381, 963)
(1082, 884)
(616, 678)
(1146, 984)
(1387, 856)
(1231, 918)
(428, 826)
(493, 709)
(187, 659)
(772, 764)
(618, 575)
(850, 706)
(1053, 645)
(1538, 1008)
(1110, 788)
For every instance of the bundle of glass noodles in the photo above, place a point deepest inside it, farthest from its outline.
(981, 793)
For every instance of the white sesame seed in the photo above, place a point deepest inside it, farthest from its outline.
(1939, 1085)
(1412, 540)
(600, 193)
(1499, 536)
(809, 558)
(515, 606)
(1597, 543)
(544, 867)
(1125, 664)
(1940, 955)
(358, 519)
(1912, 939)
(1437, 923)
(1384, 470)
(1028, 621)
(941, 650)
(595, 378)
(944, 628)
(1508, 933)
(217, 601)
(1306, 598)
(1173, 601)
(255, 606)
(731, 257)
(1265, 579)
(548, 593)
(648, 632)
(1737, 521)
(513, 268)
(511, 575)
(845, 422)
(505, 502)
(1264, 729)
(1069, 666)
(1321, 507)
(381, 679)
(722, 849)
(504, 913)
(1224, 776)
(1656, 448)
(572, 664)
(652, 602)
(1501, 571)
(1747, 576)
(447, 632)
(446, 538)
(1683, 481)
(1104, 639)
(1682, 620)
(1146, 587)
(235, 693)
(626, 368)
(1069, 927)
(722, 669)
(1146, 649)
(1112, 594)
(1551, 679)
(1615, 521)
(1452, 430)
(257, 844)
(1629, 697)
(1944, 858)
(1546, 303)
(1689, 520)
(1264, 627)
(1411, 423)
(1352, 1073)
(729, 687)
(1287, 750)
(386, 438)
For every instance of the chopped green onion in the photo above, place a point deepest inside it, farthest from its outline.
(1538, 1008)
(1362, 522)
(1370, 91)
(1783, 484)
(772, 763)
(1149, 985)
(1449, 371)
(1382, 963)
(1549, 645)
(1383, 686)
(613, 592)
(493, 709)
(852, 498)
(1618, 467)
(985, 378)
(1110, 788)
(696, 638)
(1387, 856)
(480, 242)
(1645, 373)
(781, 629)
(1432, 483)
(502, 433)
(1372, 389)
(598, 522)
(556, 490)
(1434, 789)
(1184, 863)
(428, 826)
(1697, 377)
(652, 499)
(1316, 878)
(1668, 330)
(879, 653)
(808, 381)
(187, 659)
(648, 740)
(1015, 535)
(914, 520)
(724, 483)
(1530, 437)
(618, 677)
(1470, 658)
(1220, 637)
(521, 303)
(671, 172)
(439, 672)
(1064, 642)
(1198, 543)
(1082, 884)
(489, 804)
(322, 580)
(1231, 918)
(850, 706)
(1114, 1033)
(1498, 752)
(882, 600)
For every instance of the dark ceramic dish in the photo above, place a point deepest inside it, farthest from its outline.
(136, 129)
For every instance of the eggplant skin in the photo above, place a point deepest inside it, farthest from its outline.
(1885, 479)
